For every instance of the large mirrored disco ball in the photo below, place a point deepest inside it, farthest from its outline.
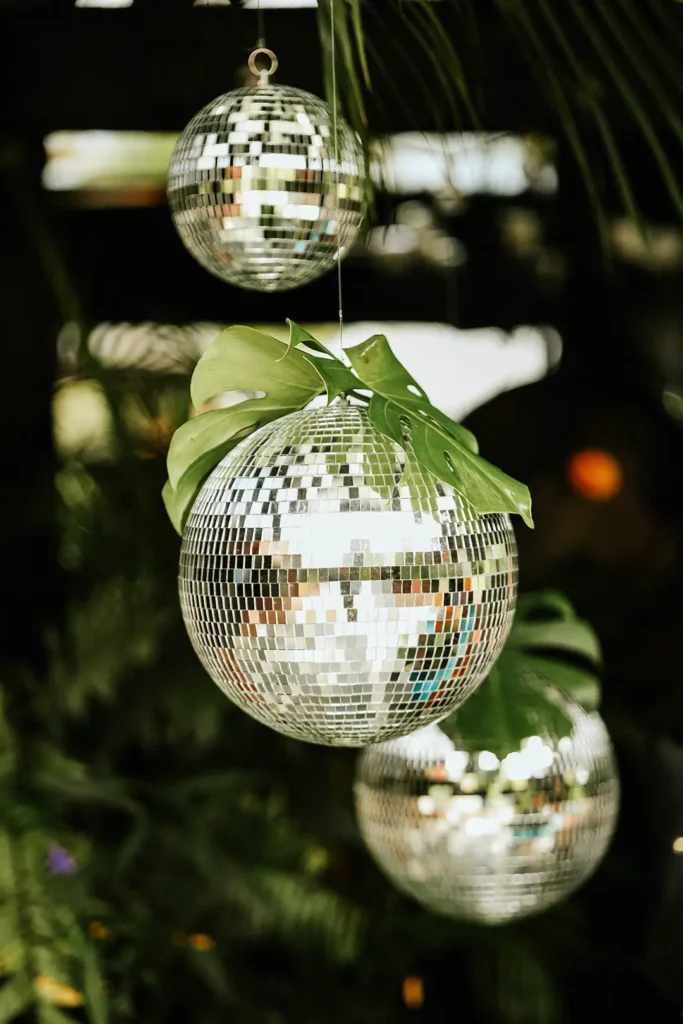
(330, 600)
(256, 193)
(489, 840)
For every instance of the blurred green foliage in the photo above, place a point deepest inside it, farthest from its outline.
(219, 866)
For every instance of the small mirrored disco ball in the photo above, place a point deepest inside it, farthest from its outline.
(472, 836)
(255, 191)
(330, 599)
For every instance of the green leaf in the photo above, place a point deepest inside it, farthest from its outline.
(243, 359)
(197, 447)
(335, 375)
(50, 1014)
(546, 629)
(12, 950)
(15, 996)
(542, 65)
(582, 684)
(300, 336)
(7, 744)
(209, 967)
(381, 372)
(208, 437)
(575, 637)
(214, 783)
(486, 487)
(520, 696)
(546, 604)
(291, 376)
(240, 359)
(633, 102)
(96, 1000)
(357, 21)
(508, 707)
(105, 793)
(451, 62)
(547, 621)
(601, 120)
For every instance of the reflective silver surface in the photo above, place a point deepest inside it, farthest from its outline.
(473, 837)
(253, 187)
(331, 601)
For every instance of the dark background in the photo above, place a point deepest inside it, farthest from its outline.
(615, 950)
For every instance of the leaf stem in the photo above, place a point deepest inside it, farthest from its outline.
(357, 395)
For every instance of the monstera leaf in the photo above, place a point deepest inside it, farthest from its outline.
(289, 376)
(548, 648)
(400, 408)
(337, 377)
(243, 359)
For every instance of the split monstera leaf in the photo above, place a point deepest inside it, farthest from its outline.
(549, 648)
(289, 376)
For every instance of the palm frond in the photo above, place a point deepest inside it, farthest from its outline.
(594, 102)
(634, 101)
(42, 943)
(283, 905)
(658, 45)
(541, 61)
(616, 59)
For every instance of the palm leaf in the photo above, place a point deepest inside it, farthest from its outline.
(633, 52)
(449, 52)
(658, 47)
(652, 48)
(601, 120)
(634, 103)
(357, 22)
(541, 62)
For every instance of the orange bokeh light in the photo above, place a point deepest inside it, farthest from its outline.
(595, 474)
(413, 992)
(99, 931)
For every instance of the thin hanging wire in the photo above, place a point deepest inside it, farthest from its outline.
(335, 129)
(261, 20)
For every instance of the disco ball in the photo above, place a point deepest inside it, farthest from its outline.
(329, 599)
(255, 191)
(489, 840)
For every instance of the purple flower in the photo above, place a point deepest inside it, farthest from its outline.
(61, 862)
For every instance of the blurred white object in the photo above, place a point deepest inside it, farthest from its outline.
(106, 159)
(459, 370)
(414, 236)
(265, 4)
(661, 249)
(155, 348)
(470, 162)
(104, 3)
(82, 421)
(393, 240)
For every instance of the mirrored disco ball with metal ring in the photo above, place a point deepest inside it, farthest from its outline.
(473, 836)
(255, 190)
(331, 599)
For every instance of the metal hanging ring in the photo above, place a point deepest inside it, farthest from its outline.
(263, 74)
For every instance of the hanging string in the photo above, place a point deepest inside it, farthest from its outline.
(336, 172)
(261, 25)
